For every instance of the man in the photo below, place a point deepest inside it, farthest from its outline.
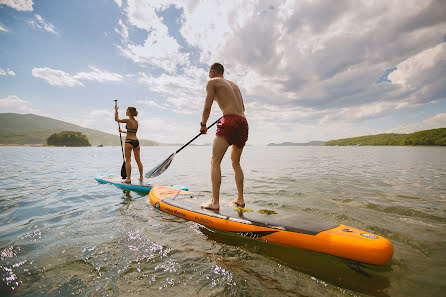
(232, 130)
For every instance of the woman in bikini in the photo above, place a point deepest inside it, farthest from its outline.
(131, 141)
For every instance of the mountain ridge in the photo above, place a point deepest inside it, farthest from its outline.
(31, 129)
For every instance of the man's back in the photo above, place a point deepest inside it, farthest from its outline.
(228, 96)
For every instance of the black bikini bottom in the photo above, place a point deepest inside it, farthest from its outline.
(133, 142)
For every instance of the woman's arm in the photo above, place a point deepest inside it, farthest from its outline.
(117, 117)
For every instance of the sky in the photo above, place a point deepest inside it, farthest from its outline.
(307, 70)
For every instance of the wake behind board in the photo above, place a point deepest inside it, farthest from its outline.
(136, 185)
(282, 228)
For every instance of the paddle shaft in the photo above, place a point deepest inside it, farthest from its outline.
(120, 138)
(166, 163)
(196, 137)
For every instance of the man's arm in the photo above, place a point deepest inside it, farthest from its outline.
(210, 95)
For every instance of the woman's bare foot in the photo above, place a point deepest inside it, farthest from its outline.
(239, 202)
(128, 181)
(141, 178)
(211, 205)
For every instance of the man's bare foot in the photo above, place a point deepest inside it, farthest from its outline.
(239, 202)
(211, 205)
(128, 181)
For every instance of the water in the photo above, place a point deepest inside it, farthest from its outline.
(63, 234)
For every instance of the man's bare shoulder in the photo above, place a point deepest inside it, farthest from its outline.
(212, 81)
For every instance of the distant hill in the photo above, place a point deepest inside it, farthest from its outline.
(426, 137)
(311, 143)
(21, 129)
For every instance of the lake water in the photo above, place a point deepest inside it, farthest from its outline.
(64, 234)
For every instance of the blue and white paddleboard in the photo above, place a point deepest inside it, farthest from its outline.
(136, 185)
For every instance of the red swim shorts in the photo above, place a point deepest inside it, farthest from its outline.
(233, 128)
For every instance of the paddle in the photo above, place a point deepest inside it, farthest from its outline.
(123, 170)
(166, 163)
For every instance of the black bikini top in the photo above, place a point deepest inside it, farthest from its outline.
(131, 130)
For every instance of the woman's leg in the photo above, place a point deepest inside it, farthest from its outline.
(128, 162)
(136, 153)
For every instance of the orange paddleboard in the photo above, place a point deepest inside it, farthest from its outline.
(288, 229)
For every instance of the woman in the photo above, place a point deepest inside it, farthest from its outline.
(131, 141)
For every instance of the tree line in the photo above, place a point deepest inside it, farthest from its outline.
(426, 137)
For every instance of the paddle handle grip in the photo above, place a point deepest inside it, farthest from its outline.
(196, 137)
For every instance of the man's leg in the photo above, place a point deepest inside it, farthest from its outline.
(218, 151)
(236, 154)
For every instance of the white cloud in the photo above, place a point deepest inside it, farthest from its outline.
(123, 31)
(162, 129)
(118, 2)
(56, 77)
(7, 71)
(435, 122)
(159, 49)
(60, 78)
(3, 28)
(21, 5)
(98, 75)
(409, 73)
(184, 93)
(315, 54)
(212, 25)
(40, 23)
(14, 104)
(153, 104)
(295, 61)
(94, 119)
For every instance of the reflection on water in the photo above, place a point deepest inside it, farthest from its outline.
(62, 233)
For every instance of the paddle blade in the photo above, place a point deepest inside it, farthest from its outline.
(161, 167)
(123, 171)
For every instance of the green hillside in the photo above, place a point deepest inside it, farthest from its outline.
(25, 129)
(426, 137)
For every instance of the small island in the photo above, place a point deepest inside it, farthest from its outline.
(68, 138)
(433, 137)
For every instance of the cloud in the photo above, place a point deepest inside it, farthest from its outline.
(40, 23)
(435, 122)
(295, 61)
(3, 28)
(94, 119)
(56, 77)
(421, 73)
(98, 75)
(7, 71)
(159, 49)
(184, 93)
(20, 5)
(14, 104)
(152, 104)
(319, 56)
(60, 78)
(118, 2)
(212, 25)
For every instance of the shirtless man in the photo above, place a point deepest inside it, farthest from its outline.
(232, 130)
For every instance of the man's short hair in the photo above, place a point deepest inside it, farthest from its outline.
(218, 68)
